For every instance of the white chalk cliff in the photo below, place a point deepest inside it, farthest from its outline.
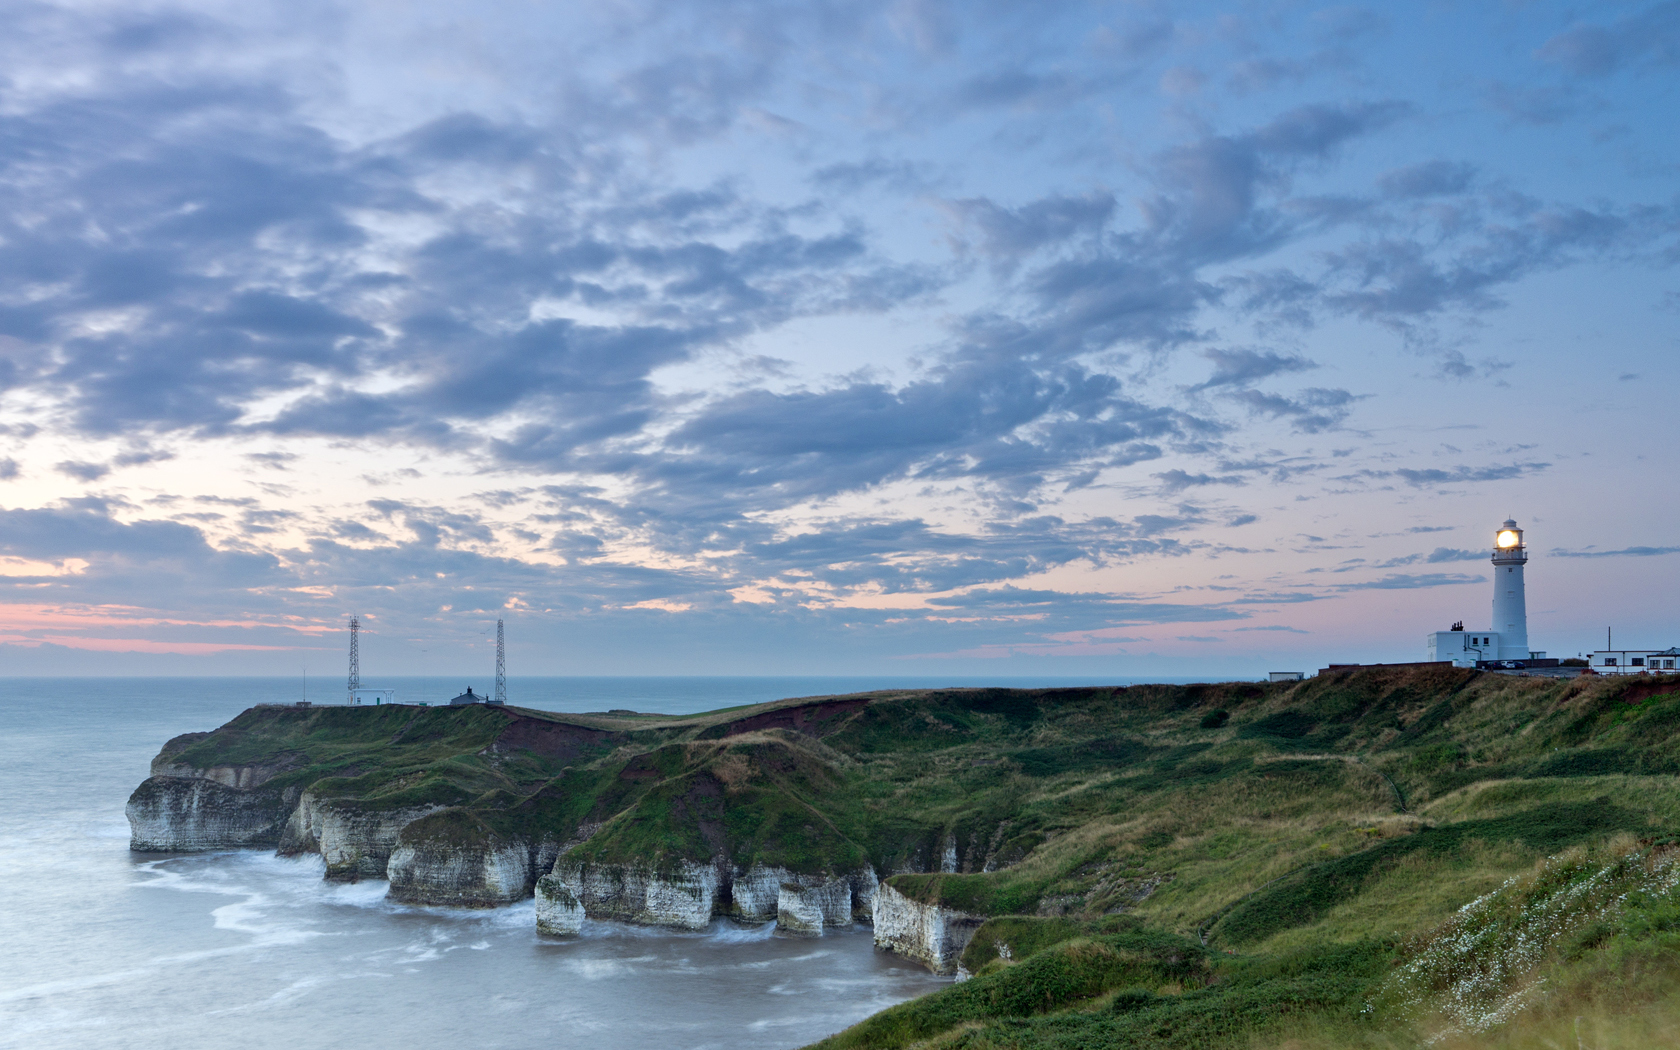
(929, 933)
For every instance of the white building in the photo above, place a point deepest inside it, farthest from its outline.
(1463, 648)
(373, 696)
(1634, 661)
(1507, 639)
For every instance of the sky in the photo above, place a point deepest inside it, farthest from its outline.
(904, 337)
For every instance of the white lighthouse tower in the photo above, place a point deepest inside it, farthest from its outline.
(1510, 605)
(1507, 638)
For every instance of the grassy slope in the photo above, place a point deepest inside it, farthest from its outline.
(1284, 833)
(1308, 835)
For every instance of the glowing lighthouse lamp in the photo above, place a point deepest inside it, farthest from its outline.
(1508, 638)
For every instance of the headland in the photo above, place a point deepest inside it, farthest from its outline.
(1103, 862)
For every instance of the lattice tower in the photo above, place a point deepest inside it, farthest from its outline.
(501, 667)
(355, 660)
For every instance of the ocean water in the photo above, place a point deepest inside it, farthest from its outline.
(100, 947)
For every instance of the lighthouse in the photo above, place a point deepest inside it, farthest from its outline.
(1510, 606)
(1507, 638)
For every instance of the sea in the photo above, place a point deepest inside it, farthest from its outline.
(101, 947)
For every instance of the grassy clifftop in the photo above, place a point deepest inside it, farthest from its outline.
(1167, 865)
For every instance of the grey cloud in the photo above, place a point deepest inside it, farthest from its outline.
(1009, 233)
(1022, 88)
(1531, 105)
(1241, 367)
(1625, 552)
(83, 471)
(1092, 610)
(980, 416)
(1457, 475)
(1212, 211)
(1405, 581)
(1311, 411)
(1430, 179)
(1445, 554)
(1402, 279)
(272, 460)
(1262, 74)
(1349, 22)
(139, 456)
(1137, 38)
(8, 469)
(146, 563)
(1599, 50)
(852, 176)
(1178, 480)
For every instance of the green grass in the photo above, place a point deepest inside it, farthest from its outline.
(1314, 829)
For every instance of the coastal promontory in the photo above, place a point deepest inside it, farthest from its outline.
(1143, 852)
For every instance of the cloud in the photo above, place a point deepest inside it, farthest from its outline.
(1464, 474)
(1446, 554)
(1429, 179)
(1007, 234)
(272, 460)
(1625, 552)
(1242, 367)
(1411, 581)
(1177, 480)
(1600, 50)
(1310, 412)
(83, 471)
(627, 291)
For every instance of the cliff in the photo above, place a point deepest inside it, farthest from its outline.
(452, 857)
(1203, 811)
(930, 933)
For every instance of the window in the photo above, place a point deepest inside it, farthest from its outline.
(1638, 661)
(1609, 661)
(1667, 664)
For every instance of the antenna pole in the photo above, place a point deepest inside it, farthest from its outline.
(355, 660)
(501, 667)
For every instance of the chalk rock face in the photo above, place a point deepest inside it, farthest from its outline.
(806, 905)
(755, 893)
(803, 903)
(685, 896)
(355, 840)
(559, 912)
(168, 814)
(932, 935)
(451, 858)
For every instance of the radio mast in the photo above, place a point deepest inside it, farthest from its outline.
(355, 660)
(501, 669)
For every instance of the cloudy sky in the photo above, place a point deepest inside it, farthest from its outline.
(905, 337)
